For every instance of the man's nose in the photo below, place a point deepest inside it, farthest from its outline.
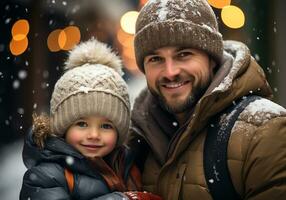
(171, 69)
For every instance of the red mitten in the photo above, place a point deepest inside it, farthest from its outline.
(134, 195)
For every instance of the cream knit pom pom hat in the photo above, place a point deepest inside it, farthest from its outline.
(92, 85)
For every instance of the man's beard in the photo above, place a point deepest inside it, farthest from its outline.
(198, 89)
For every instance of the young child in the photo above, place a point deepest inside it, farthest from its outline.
(77, 152)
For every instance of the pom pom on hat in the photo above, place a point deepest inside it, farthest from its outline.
(93, 52)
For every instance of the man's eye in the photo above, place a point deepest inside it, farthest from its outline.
(154, 59)
(81, 124)
(106, 126)
(184, 54)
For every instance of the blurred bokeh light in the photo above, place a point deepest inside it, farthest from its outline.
(232, 16)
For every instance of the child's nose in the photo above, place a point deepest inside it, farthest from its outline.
(94, 133)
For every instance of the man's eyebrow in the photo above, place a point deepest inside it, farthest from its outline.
(182, 48)
(152, 53)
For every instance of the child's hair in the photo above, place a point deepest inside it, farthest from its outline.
(91, 85)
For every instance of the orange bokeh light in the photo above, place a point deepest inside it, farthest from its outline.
(70, 38)
(124, 38)
(129, 52)
(20, 29)
(143, 2)
(64, 39)
(17, 47)
(53, 40)
(219, 3)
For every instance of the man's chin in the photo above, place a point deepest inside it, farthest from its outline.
(176, 107)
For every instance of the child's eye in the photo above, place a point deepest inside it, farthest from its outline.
(81, 124)
(106, 126)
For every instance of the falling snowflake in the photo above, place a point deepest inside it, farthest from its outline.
(2, 47)
(69, 160)
(75, 9)
(269, 70)
(16, 84)
(22, 74)
(46, 74)
(8, 20)
(35, 106)
(21, 111)
(257, 57)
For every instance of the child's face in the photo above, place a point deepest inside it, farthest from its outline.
(92, 136)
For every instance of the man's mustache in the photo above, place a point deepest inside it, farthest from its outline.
(176, 79)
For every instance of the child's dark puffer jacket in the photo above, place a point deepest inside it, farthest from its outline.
(45, 178)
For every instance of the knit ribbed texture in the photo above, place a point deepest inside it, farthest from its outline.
(97, 103)
(90, 90)
(184, 23)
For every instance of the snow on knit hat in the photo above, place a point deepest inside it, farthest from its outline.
(185, 23)
(92, 85)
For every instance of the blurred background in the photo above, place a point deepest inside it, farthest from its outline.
(36, 35)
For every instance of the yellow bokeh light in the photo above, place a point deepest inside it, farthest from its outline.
(53, 40)
(232, 16)
(124, 38)
(17, 47)
(20, 29)
(128, 21)
(219, 3)
(72, 37)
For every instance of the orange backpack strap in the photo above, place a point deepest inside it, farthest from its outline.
(70, 179)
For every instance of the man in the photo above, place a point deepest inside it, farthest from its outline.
(192, 77)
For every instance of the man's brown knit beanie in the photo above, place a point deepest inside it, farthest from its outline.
(185, 23)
